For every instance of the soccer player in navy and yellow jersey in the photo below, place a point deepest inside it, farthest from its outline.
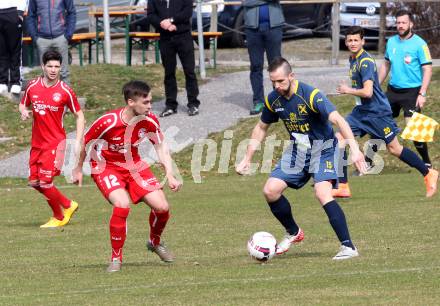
(307, 115)
(372, 114)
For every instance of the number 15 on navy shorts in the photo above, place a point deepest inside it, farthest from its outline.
(296, 168)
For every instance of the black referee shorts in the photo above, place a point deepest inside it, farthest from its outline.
(403, 98)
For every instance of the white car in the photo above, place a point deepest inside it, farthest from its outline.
(366, 15)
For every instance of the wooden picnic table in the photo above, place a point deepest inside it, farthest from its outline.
(115, 13)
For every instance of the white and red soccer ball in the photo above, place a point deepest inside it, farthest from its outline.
(261, 246)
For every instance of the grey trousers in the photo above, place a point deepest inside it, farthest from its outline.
(60, 44)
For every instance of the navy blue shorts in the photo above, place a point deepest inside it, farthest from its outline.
(377, 127)
(296, 168)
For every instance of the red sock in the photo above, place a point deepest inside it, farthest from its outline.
(54, 194)
(157, 225)
(65, 202)
(118, 230)
(54, 205)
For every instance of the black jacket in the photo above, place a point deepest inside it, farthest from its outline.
(180, 10)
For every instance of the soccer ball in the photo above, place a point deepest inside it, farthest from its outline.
(261, 246)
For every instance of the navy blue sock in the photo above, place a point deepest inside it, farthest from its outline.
(282, 211)
(411, 158)
(344, 178)
(339, 224)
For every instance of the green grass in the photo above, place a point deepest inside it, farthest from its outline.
(393, 225)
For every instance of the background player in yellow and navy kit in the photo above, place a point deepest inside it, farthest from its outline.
(307, 115)
(407, 56)
(372, 113)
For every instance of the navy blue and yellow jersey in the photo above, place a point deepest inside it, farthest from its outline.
(363, 68)
(304, 114)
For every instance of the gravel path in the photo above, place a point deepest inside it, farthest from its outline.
(225, 100)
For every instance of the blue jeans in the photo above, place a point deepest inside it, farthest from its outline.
(263, 39)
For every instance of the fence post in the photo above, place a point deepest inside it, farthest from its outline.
(335, 32)
(92, 24)
(382, 27)
(214, 17)
(213, 28)
(200, 39)
(107, 43)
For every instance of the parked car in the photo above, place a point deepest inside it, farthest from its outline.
(299, 17)
(313, 17)
(366, 15)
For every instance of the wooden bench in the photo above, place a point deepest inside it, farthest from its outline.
(115, 14)
(144, 38)
(76, 42)
(117, 8)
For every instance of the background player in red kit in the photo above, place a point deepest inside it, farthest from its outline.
(49, 98)
(122, 176)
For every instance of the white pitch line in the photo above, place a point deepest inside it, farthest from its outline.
(185, 283)
(58, 187)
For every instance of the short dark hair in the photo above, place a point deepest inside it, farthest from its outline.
(134, 89)
(52, 55)
(401, 13)
(278, 62)
(354, 30)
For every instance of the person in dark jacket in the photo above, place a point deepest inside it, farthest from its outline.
(172, 19)
(51, 25)
(263, 20)
(11, 20)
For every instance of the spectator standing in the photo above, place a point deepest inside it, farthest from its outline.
(408, 58)
(172, 19)
(11, 30)
(263, 21)
(51, 25)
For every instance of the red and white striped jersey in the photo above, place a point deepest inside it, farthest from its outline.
(49, 104)
(118, 141)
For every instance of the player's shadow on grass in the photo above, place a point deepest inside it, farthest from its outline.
(35, 224)
(148, 263)
(300, 254)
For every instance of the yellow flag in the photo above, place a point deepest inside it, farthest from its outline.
(420, 128)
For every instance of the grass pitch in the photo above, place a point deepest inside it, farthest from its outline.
(391, 222)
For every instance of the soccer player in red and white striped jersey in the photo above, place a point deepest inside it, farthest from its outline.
(120, 173)
(49, 98)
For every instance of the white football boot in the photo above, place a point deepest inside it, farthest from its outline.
(346, 252)
(287, 241)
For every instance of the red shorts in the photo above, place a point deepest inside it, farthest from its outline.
(137, 183)
(45, 164)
